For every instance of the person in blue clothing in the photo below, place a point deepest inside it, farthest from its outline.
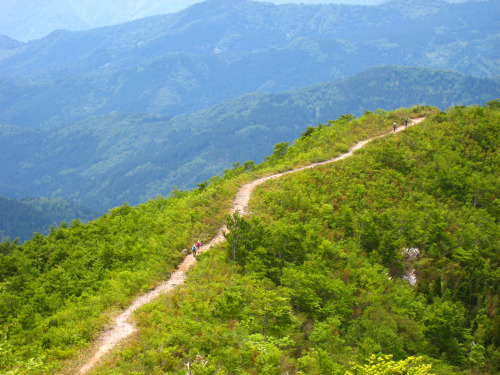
(394, 126)
(194, 250)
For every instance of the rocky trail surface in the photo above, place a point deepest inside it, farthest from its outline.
(122, 328)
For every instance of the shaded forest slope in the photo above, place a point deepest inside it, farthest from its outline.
(23, 218)
(104, 161)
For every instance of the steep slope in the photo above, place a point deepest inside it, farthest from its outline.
(104, 161)
(310, 282)
(18, 220)
(122, 328)
(218, 50)
(315, 280)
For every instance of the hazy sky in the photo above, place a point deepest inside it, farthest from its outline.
(365, 2)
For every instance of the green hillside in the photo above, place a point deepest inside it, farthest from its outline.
(313, 282)
(104, 161)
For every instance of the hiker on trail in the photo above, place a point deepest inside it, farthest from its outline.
(198, 245)
(394, 126)
(194, 250)
(406, 123)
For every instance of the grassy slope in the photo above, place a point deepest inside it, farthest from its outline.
(82, 273)
(131, 248)
(335, 295)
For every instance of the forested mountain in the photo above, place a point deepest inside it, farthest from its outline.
(313, 282)
(387, 256)
(105, 161)
(22, 218)
(32, 19)
(221, 49)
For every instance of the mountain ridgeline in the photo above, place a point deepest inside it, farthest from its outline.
(315, 281)
(221, 49)
(104, 161)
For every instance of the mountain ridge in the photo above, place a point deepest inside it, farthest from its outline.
(194, 59)
(104, 161)
(315, 275)
(44, 17)
(121, 329)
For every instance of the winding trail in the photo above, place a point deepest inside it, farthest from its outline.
(122, 328)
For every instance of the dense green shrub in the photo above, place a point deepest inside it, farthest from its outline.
(316, 281)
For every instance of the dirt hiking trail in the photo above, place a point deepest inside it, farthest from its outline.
(121, 328)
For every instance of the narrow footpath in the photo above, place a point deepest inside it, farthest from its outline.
(121, 328)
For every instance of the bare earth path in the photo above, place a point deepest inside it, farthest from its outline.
(122, 328)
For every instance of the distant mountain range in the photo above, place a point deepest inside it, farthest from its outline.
(221, 49)
(106, 160)
(33, 19)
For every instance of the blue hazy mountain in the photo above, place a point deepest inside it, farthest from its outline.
(218, 50)
(105, 160)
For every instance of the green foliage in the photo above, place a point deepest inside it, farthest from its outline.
(202, 186)
(495, 104)
(57, 291)
(278, 152)
(10, 364)
(446, 330)
(314, 282)
(321, 265)
(433, 189)
(386, 366)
